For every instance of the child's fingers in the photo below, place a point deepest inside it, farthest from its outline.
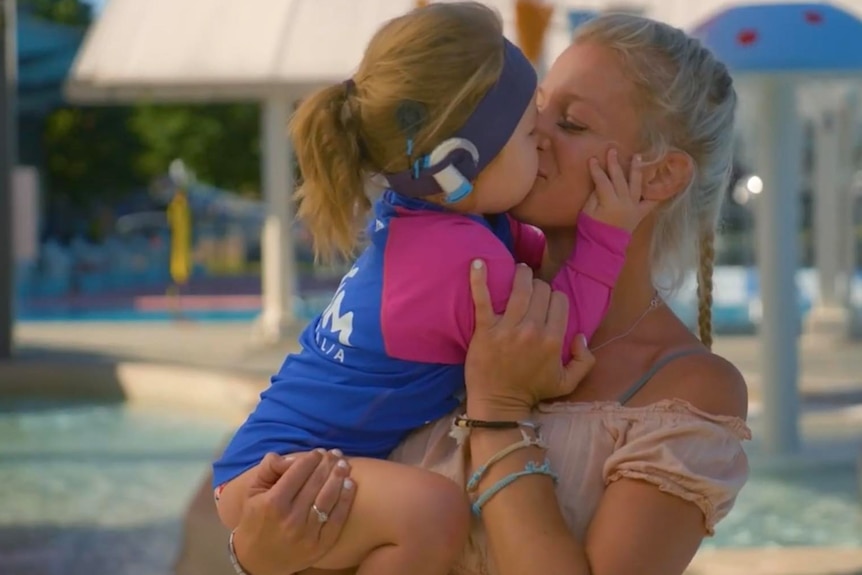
(618, 177)
(592, 204)
(604, 187)
(636, 179)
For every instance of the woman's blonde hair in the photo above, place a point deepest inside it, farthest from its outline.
(688, 104)
(442, 57)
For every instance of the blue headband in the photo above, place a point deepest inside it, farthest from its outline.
(454, 164)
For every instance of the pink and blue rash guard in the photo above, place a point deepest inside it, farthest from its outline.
(386, 356)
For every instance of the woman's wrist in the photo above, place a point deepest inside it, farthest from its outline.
(241, 554)
(247, 559)
(498, 409)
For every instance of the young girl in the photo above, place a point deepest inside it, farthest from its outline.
(443, 107)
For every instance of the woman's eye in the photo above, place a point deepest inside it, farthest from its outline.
(570, 126)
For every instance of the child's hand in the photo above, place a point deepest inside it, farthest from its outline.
(615, 201)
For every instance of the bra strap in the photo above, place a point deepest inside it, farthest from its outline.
(656, 367)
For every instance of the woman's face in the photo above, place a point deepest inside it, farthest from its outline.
(586, 107)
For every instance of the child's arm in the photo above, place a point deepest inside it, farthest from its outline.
(589, 275)
(529, 244)
(604, 229)
(428, 315)
(427, 311)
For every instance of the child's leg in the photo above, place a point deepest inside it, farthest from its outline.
(403, 520)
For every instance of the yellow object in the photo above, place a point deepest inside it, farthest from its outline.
(421, 3)
(532, 18)
(180, 224)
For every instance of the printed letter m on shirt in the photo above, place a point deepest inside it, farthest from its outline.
(332, 318)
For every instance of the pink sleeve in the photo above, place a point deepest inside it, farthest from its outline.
(529, 243)
(589, 275)
(427, 309)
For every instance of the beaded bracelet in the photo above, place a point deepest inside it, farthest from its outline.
(530, 469)
(231, 549)
(527, 441)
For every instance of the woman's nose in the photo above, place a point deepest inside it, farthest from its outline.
(542, 139)
(542, 130)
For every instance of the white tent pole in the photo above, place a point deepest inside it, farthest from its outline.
(278, 273)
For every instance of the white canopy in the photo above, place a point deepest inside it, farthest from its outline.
(197, 50)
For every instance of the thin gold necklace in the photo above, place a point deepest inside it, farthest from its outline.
(654, 303)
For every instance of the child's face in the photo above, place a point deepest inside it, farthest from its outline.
(508, 179)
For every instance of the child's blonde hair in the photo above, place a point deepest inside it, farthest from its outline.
(443, 56)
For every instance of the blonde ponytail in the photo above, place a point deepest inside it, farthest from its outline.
(331, 198)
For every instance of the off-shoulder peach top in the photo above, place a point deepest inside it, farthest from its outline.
(680, 449)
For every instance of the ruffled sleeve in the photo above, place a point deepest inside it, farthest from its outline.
(685, 452)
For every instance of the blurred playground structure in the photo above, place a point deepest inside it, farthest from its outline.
(74, 275)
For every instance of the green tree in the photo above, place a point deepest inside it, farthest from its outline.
(90, 154)
(71, 12)
(101, 153)
(219, 142)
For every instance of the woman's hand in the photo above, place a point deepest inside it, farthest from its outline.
(513, 361)
(279, 531)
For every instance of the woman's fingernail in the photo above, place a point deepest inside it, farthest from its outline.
(477, 264)
(583, 339)
(614, 152)
(347, 484)
(342, 464)
(336, 452)
(320, 450)
(638, 158)
(289, 458)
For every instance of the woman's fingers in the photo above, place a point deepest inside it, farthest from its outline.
(293, 484)
(270, 470)
(540, 298)
(315, 482)
(484, 309)
(330, 530)
(558, 315)
(520, 300)
(328, 496)
(580, 365)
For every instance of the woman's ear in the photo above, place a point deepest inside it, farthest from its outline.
(667, 177)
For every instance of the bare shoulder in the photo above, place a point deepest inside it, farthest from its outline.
(707, 381)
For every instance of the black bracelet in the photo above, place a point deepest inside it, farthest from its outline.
(465, 422)
(232, 554)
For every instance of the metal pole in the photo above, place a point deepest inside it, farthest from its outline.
(780, 152)
(8, 65)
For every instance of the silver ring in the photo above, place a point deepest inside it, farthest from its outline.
(322, 516)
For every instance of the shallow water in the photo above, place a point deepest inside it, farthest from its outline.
(101, 490)
(818, 506)
(97, 489)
